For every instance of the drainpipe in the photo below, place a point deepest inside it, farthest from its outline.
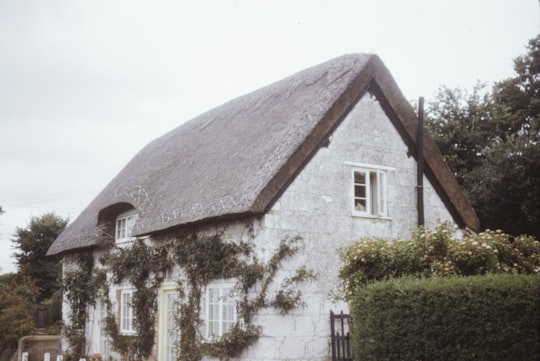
(420, 162)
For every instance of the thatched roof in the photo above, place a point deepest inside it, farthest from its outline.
(236, 159)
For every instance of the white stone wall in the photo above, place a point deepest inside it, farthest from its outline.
(317, 206)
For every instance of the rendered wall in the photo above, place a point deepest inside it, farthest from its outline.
(318, 207)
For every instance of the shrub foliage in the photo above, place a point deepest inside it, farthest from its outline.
(481, 318)
(16, 292)
(410, 299)
(436, 253)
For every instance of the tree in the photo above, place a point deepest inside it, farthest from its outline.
(518, 98)
(462, 126)
(1, 212)
(15, 317)
(33, 243)
(491, 142)
(514, 159)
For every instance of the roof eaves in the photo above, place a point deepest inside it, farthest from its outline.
(335, 114)
(402, 114)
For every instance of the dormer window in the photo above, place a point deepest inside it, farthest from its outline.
(124, 225)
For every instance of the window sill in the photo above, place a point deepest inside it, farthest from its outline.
(128, 333)
(131, 240)
(125, 240)
(370, 216)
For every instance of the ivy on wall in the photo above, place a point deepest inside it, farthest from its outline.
(207, 259)
(140, 265)
(201, 260)
(81, 288)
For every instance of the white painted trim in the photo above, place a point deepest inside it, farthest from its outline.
(221, 284)
(381, 188)
(126, 216)
(369, 166)
(123, 291)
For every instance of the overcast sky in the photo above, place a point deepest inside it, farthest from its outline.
(84, 85)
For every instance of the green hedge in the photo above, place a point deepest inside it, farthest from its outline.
(493, 317)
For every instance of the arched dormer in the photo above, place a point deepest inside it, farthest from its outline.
(118, 221)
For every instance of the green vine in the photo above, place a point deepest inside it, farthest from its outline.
(201, 260)
(139, 264)
(207, 259)
(81, 288)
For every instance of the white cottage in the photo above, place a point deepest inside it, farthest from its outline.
(328, 154)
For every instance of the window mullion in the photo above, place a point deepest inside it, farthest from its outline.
(220, 313)
(381, 178)
(369, 196)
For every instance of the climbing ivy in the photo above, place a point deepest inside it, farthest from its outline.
(81, 288)
(201, 260)
(207, 259)
(140, 265)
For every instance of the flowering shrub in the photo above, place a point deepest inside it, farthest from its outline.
(437, 253)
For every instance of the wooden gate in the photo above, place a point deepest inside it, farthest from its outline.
(42, 315)
(341, 337)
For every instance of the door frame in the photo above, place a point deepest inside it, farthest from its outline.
(164, 290)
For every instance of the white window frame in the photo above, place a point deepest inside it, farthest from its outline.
(218, 314)
(124, 226)
(376, 190)
(127, 318)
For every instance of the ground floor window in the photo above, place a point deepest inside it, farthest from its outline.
(126, 312)
(218, 309)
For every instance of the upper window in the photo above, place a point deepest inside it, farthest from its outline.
(370, 191)
(218, 309)
(126, 312)
(124, 225)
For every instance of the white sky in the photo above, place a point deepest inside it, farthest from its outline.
(86, 84)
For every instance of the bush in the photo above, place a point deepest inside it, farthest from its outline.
(436, 253)
(16, 319)
(494, 317)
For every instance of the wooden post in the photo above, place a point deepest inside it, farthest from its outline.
(420, 162)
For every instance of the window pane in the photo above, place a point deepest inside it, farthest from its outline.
(120, 228)
(227, 327)
(360, 191)
(360, 205)
(374, 193)
(231, 312)
(130, 222)
(213, 329)
(214, 313)
(213, 295)
(381, 182)
(359, 178)
(126, 312)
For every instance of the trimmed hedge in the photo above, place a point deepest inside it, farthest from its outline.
(493, 317)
